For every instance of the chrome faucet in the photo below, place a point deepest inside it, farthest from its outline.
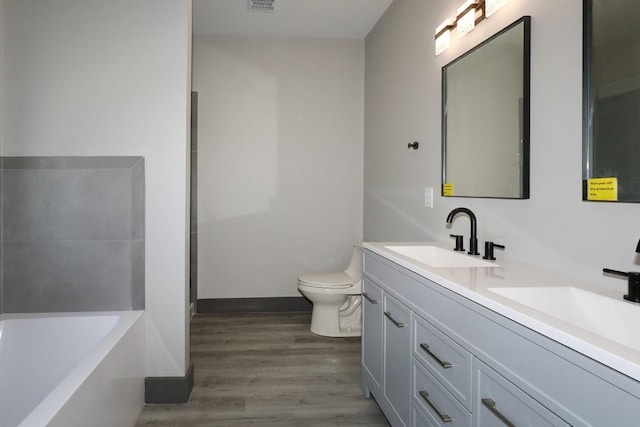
(473, 239)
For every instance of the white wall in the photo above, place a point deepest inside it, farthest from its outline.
(280, 143)
(93, 77)
(555, 229)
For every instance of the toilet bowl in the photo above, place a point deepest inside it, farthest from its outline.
(336, 298)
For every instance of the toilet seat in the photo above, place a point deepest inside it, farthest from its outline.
(327, 280)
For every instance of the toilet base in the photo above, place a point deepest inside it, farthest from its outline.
(338, 334)
(329, 320)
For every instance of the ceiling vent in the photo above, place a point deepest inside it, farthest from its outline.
(261, 5)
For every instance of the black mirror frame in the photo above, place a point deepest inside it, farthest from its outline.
(526, 110)
(587, 94)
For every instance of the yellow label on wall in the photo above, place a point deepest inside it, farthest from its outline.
(602, 189)
(447, 189)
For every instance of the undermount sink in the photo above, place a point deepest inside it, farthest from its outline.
(612, 319)
(437, 257)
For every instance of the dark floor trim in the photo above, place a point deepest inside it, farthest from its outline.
(169, 389)
(253, 305)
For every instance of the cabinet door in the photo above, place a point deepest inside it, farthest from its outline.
(499, 403)
(372, 331)
(397, 357)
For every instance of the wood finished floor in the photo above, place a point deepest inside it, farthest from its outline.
(268, 369)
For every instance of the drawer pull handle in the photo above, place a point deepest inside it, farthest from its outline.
(444, 364)
(491, 405)
(395, 322)
(444, 417)
(371, 300)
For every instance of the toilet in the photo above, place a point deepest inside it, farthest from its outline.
(336, 298)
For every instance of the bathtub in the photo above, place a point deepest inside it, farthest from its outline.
(72, 369)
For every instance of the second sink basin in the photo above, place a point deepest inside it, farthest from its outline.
(611, 319)
(437, 257)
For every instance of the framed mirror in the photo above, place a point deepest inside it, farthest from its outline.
(485, 117)
(611, 101)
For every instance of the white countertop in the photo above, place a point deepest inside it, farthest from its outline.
(474, 284)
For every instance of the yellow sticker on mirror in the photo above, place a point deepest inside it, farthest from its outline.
(447, 189)
(602, 189)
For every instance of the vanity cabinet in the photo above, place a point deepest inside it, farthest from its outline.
(470, 366)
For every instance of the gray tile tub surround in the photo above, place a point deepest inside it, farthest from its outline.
(61, 276)
(73, 233)
(71, 198)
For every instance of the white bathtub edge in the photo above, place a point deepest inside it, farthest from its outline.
(95, 388)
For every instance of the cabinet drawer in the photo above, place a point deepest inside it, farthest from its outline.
(437, 403)
(444, 358)
(419, 419)
(499, 402)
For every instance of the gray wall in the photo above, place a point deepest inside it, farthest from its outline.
(72, 234)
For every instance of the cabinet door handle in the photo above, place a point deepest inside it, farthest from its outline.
(444, 417)
(443, 363)
(491, 406)
(395, 322)
(371, 300)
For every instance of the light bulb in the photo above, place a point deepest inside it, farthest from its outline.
(492, 6)
(443, 40)
(466, 21)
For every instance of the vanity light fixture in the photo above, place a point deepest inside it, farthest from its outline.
(466, 19)
(469, 15)
(443, 36)
(492, 6)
